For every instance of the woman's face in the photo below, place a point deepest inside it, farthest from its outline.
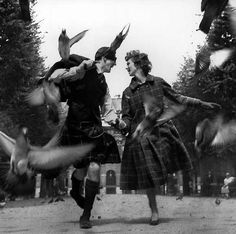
(131, 68)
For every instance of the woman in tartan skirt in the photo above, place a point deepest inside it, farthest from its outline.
(147, 161)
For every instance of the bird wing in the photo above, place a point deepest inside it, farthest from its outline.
(119, 38)
(171, 112)
(219, 57)
(51, 92)
(226, 134)
(232, 16)
(7, 143)
(200, 137)
(211, 10)
(77, 37)
(36, 97)
(202, 62)
(55, 139)
(63, 45)
(203, 5)
(58, 157)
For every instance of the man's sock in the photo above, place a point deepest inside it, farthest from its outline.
(75, 192)
(91, 189)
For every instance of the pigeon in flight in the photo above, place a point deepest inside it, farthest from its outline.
(27, 160)
(212, 9)
(208, 60)
(214, 132)
(64, 43)
(68, 60)
(154, 118)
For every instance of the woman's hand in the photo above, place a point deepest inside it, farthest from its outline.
(210, 105)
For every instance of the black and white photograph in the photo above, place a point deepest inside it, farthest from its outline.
(118, 116)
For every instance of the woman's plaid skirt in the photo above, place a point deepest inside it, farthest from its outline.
(105, 151)
(147, 162)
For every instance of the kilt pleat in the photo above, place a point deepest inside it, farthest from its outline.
(105, 151)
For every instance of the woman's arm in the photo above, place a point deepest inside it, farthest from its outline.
(185, 100)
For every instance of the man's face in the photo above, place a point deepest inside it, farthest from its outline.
(131, 68)
(108, 64)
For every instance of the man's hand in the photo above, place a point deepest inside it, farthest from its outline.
(87, 64)
(121, 124)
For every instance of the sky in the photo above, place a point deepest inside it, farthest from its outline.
(164, 29)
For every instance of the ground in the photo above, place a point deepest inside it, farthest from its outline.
(127, 213)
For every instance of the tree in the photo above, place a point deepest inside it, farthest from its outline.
(20, 64)
(222, 82)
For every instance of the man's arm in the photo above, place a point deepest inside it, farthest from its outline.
(108, 109)
(75, 73)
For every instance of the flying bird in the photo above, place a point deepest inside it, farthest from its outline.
(214, 132)
(64, 43)
(154, 116)
(119, 38)
(217, 201)
(180, 197)
(212, 9)
(27, 160)
(47, 93)
(208, 60)
(68, 60)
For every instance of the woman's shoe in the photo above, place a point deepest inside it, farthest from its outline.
(85, 223)
(154, 222)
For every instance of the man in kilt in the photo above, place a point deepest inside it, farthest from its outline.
(85, 89)
(147, 160)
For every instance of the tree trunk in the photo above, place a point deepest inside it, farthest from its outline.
(25, 10)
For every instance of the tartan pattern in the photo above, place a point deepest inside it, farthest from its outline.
(106, 150)
(83, 124)
(147, 162)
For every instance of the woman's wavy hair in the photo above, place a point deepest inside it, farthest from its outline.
(140, 60)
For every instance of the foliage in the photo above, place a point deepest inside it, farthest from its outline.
(20, 63)
(222, 82)
(217, 86)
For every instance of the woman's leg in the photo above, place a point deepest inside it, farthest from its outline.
(153, 205)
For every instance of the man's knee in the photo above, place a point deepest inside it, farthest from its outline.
(79, 174)
(94, 171)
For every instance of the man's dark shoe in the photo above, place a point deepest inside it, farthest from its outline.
(85, 223)
(78, 199)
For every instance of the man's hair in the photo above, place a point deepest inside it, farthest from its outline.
(140, 60)
(105, 52)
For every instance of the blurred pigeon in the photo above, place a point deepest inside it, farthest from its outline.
(153, 116)
(208, 60)
(64, 43)
(212, 9)
(215, 132)
(180, 197)
(217, 201)
(119, 38)
(232, 15)
(26, 160)
(47, 93)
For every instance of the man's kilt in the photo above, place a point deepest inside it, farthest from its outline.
(105, 151)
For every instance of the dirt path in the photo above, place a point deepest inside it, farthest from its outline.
(121, 214)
